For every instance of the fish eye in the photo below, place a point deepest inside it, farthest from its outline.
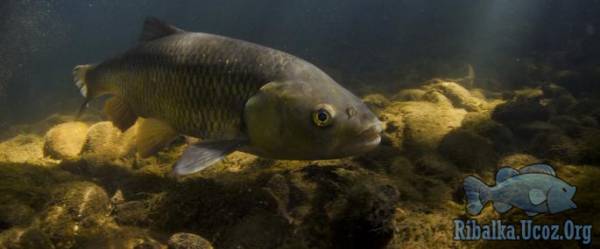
(323, 116)
(564, 190)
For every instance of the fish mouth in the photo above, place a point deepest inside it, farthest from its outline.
(372, 135)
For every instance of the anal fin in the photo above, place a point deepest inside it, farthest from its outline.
(153, 135)
(119, 113)
(502, 207)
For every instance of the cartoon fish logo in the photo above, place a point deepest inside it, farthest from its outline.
(534, 189)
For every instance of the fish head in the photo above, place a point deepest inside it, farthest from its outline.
(560, 195)
(300, 120)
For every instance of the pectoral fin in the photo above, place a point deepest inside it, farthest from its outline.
(204, 154)
(502, 207)
(536, 196)
(119, 113)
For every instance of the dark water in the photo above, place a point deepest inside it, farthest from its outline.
(391, 43)
(533, 97)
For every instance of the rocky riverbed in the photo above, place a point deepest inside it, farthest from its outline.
(79, 184)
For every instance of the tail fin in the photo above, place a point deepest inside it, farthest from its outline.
(79, 76)
(477, 194)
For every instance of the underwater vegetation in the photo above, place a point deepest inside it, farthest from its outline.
(79, 184)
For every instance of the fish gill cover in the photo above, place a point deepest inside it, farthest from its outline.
(463, 88)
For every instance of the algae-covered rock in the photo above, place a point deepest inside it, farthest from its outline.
(401, 166)
(501, 137)
(426, 124)
(520, 111)
(106, 142)
(553, 90)
(279, 188)
(458, 95)
(376, 102)
(361, 210)
(131, 213)
(23, 149)
(568, 124)
(339, 203)
(437, 98)
(414, 229)
(555, 146)
(65, 140)
(188, 241)
(436, 166)
(589, 146)
(24, 192)
(528, 94)
(82, 199)
(15, 213)
(394, 128)
(468, 150)
(531, 129)
(409, 95)
(74, 206)
(33, 238)
(562, 104)
(517, 160)
(58, 224)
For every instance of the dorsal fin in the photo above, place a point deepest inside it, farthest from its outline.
(154, 28)
(505, 173)
(539, 168)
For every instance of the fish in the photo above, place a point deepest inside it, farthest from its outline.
(231, 94)
(534, 189)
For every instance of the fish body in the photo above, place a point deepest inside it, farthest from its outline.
(233, 94)
(534, 189)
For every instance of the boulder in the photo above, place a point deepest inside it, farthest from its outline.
(82, 199)
(562, 104)
(131, 213)
(188, 241)
(458, 95)
(437, 98)
(517, 160)
(409, 95)
(394, 128)
(516, 112)
(531, 129)
(435, 166)
(418, 229)
(65, 140)
(468, 150)
(555, 146)
(425, 124)
(23, 149)
(105, 141)
(376, 102)
(590, 146)
(568, 124)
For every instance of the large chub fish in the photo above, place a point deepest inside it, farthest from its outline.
(232, 94)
